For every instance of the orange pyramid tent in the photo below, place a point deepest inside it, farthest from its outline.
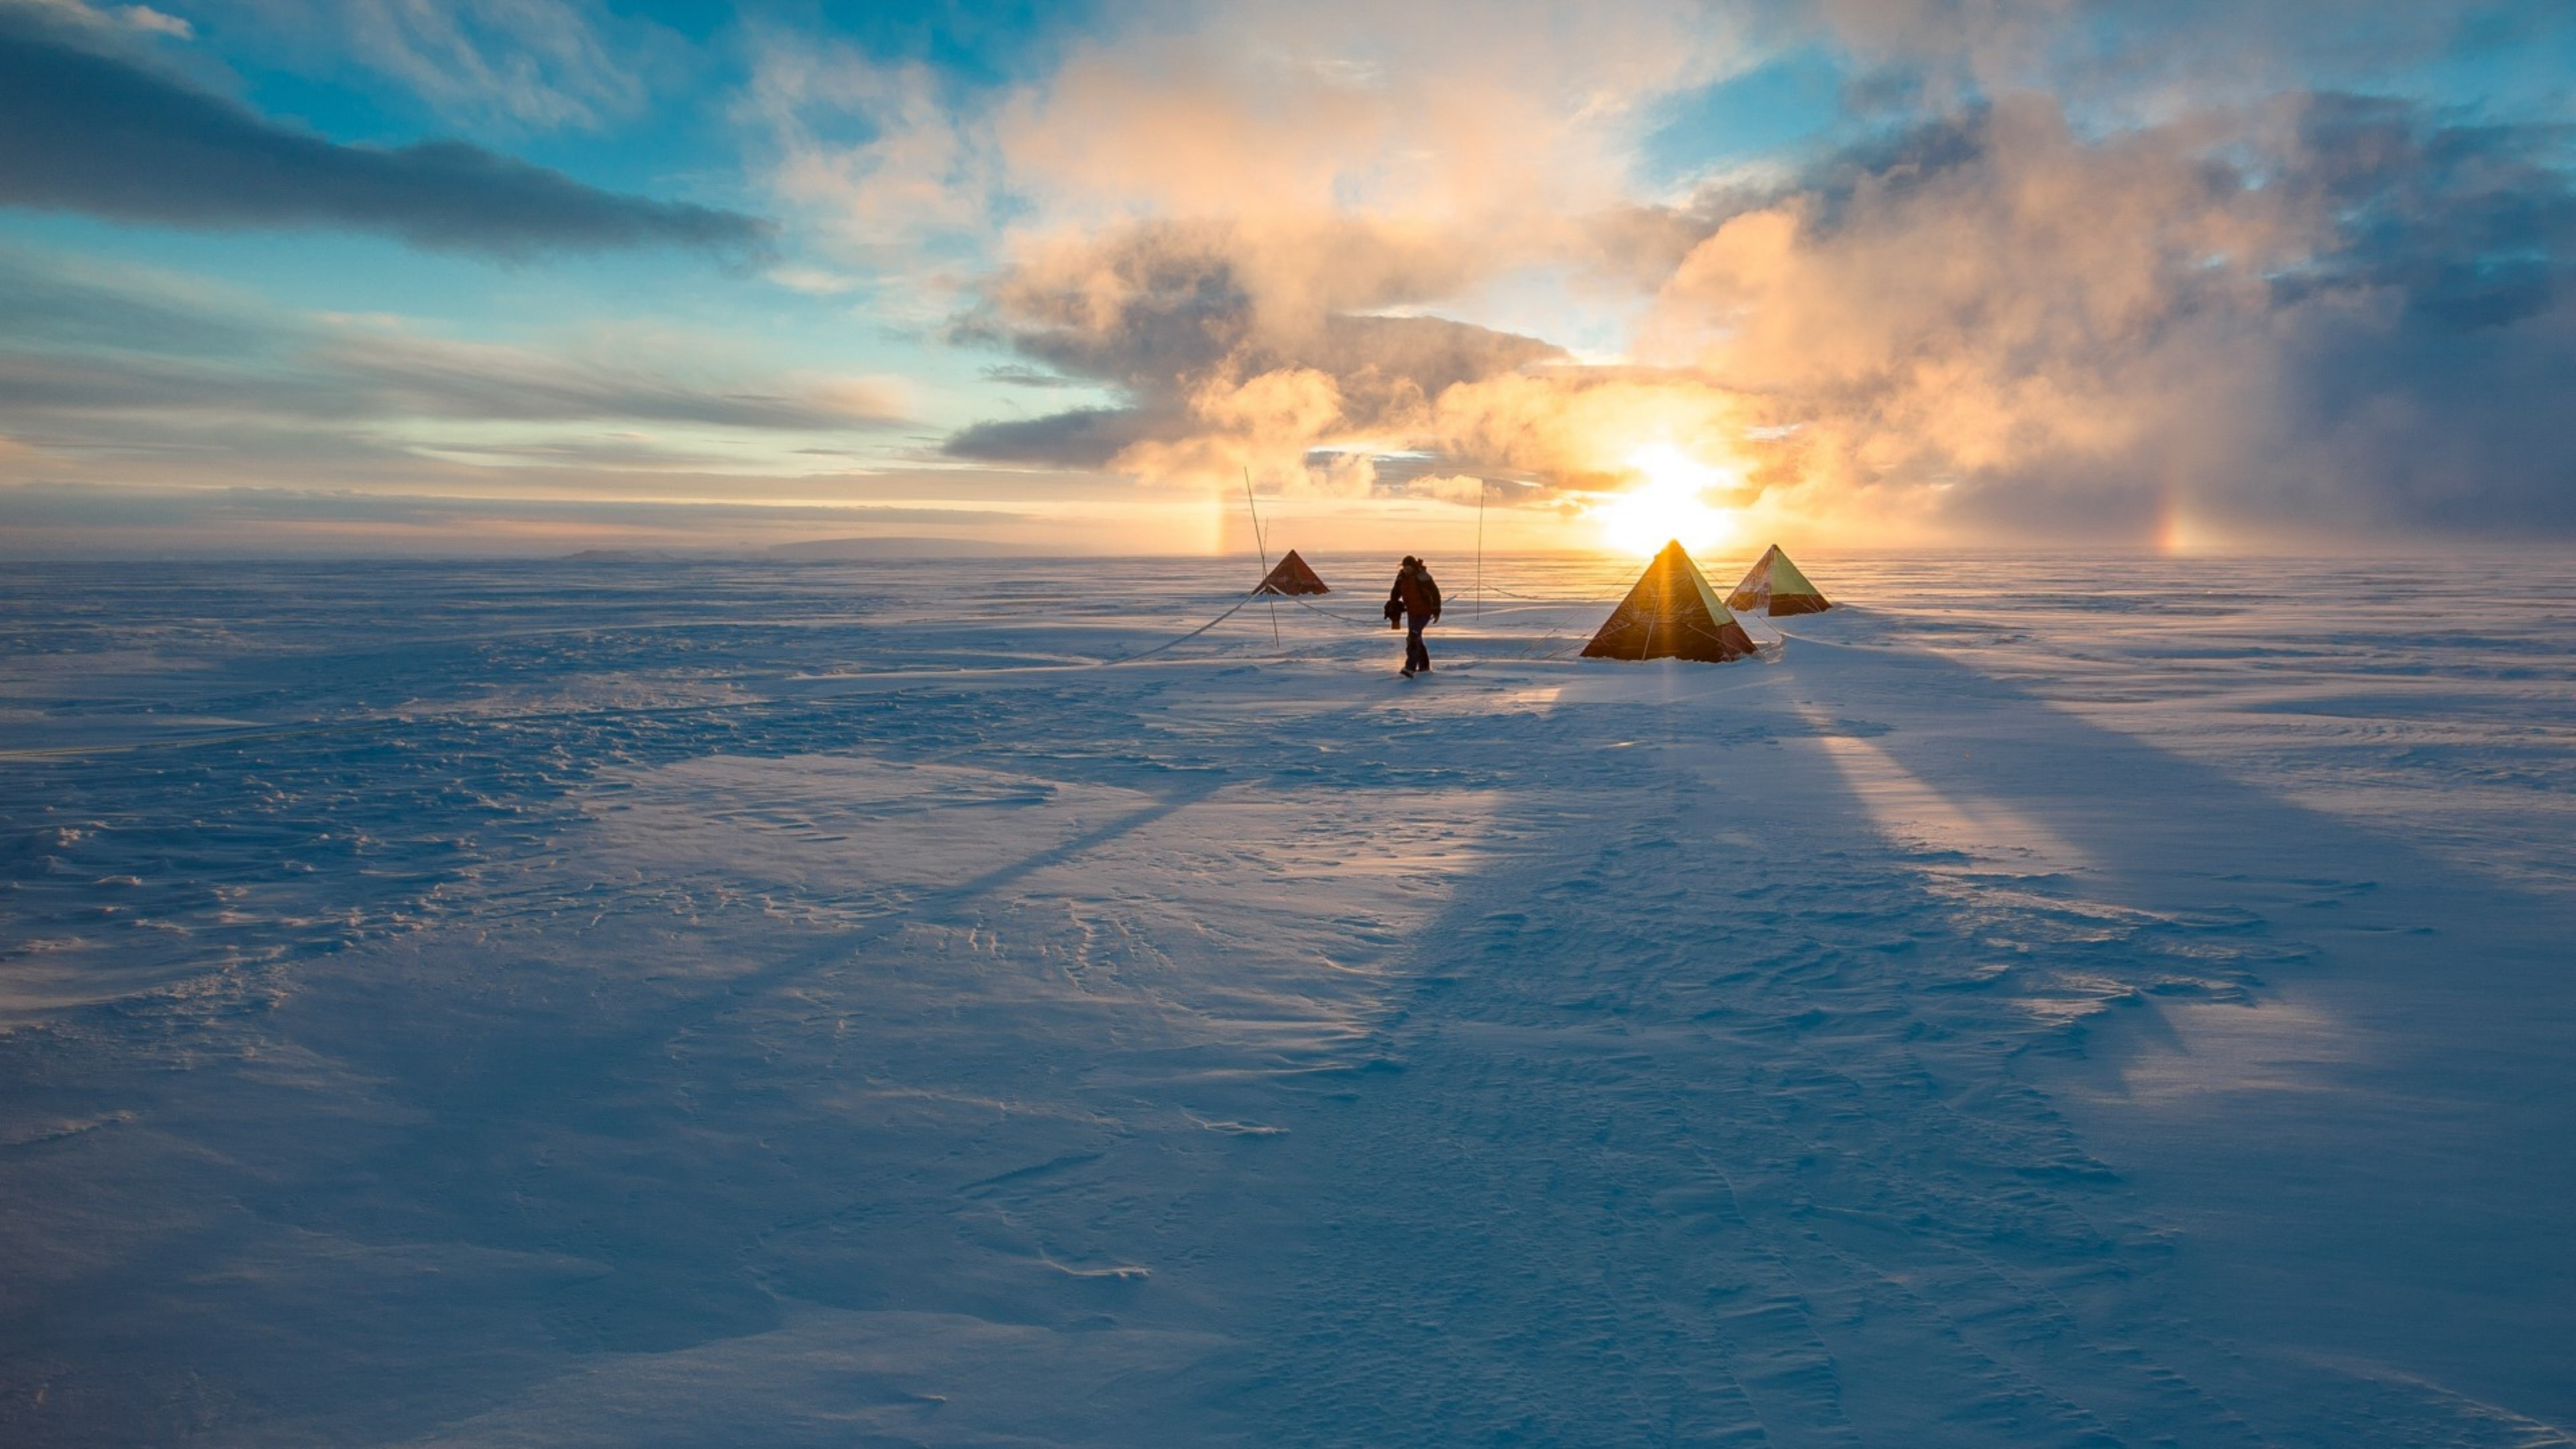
(1776, 587)
(1292, 577)
(1672, 613)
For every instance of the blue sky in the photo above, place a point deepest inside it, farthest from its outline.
(525, 275)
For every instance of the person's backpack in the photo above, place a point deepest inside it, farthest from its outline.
(1430, 591)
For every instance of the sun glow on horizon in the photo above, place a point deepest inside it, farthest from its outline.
(1669, 503)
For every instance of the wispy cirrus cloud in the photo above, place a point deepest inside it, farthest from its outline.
(384, 378)
(505, 64)
(402, 375)
(94, 129)
(893, 183)
(102, 360)
(110, 18)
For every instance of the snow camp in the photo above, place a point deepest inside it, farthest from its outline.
(667, 782)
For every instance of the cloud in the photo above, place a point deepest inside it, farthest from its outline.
(1441, 116)
(85, 130)
(2180, 282)
(1015, 375)
(514, 63)
(814, 281)
(1439, 112)
(2146, 56)
(1236, 347)
(409, 376)
(61, 303)
(388, 379)
(114, 354)
(2327, 311)
(109, 19)
(1240, 219)
(886, 176)
(1247, 226)
(2473, 223)
(1077, 438)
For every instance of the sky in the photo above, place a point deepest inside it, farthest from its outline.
(368, 277)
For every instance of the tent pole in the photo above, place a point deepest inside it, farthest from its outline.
(1264, 548)
(1483, 486)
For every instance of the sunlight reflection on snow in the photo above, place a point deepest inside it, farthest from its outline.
(2224, 1049)
(1909, 810)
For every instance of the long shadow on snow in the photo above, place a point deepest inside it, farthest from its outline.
(533, 1057)
(1707, 1111)
(1798, 1070)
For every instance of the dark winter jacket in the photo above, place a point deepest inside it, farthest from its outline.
(1417, 592)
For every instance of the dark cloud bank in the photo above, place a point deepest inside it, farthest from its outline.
(88, 131)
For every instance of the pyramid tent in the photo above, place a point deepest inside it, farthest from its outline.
(1292, 577)
(1672, 613)
(1776, 587)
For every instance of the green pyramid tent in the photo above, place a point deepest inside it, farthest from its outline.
(1292, 577)
(1672, 613)
(1776, 587)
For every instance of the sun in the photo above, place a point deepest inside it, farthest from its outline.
(1669, 502)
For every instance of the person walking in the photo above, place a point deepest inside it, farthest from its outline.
(1416, 597)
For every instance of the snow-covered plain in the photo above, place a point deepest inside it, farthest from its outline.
(674, 1003)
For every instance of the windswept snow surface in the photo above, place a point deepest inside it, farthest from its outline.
(702, 1004)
